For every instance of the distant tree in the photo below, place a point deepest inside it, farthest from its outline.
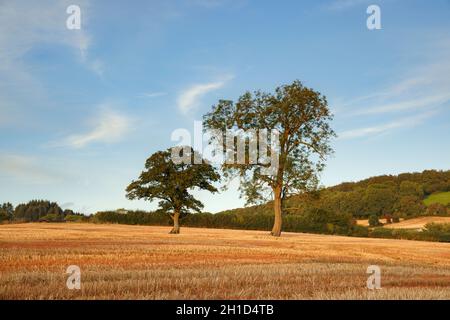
(352, 202)
(3, 215)
(6, 212)
(68, 212)
(35, 209)
(409, 188)
(436, 209)
(434, 181)
(379, 199)
(301, 117)
(170, 182)
(410, 206)
(374, 221)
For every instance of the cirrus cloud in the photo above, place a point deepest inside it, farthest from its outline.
(108, 126)
(190, 98)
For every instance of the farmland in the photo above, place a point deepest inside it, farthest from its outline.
(441, 197)
(415, 223)
(142, 262)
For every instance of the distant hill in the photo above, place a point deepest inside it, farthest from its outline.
(400, 195)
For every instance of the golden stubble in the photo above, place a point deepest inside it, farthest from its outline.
(141, 262)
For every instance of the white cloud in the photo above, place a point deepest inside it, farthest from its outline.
(152, 94)
(26, 24)
(27, 170)
(425, 102)
(190, 97)
(107, 127)
(421, 92)
(424, 86)
(387, 127)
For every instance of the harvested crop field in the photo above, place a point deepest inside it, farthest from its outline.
(417, 223)
(142, 262)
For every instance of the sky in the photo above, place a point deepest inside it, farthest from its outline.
(81, 109)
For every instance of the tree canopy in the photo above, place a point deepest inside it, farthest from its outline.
(38, 209)
(170, 183)
(301, 117)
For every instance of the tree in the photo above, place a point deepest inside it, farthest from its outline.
(373, 221)
(301, 117)
(68, 212)
(379, 199)
(409, 188)
(35, 209)
(396, 217)
(170, 182)
(351, 202)
(6, 212)
(410, 206)
(436, 209)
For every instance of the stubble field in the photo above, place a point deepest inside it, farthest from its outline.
(140, 262)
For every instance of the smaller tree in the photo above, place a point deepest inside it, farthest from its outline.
(3, 215)
(170, 182)
(410, 206)
(436, 209)
(379, 199)
(373, 221)
(7, 212)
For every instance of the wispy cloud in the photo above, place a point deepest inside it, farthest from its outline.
(417, 95)
(386, 127)
(424, 87)
(425, 102)
(27, 170)
(421, 85)
(108, 126)
(190, 98)
(152, 94)
(25, 25)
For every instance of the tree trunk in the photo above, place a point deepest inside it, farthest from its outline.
(276, 230)
(176, 223)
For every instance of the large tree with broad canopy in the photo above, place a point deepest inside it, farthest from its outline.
(301, 118)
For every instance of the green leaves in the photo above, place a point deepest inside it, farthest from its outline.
(170, 182)
(300, 115)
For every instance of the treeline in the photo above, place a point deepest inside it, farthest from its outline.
(313, 221)
(328, 211)
(392, 197)
(431, 181)
(38, 210)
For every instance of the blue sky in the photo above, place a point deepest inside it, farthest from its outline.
(81, 110)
